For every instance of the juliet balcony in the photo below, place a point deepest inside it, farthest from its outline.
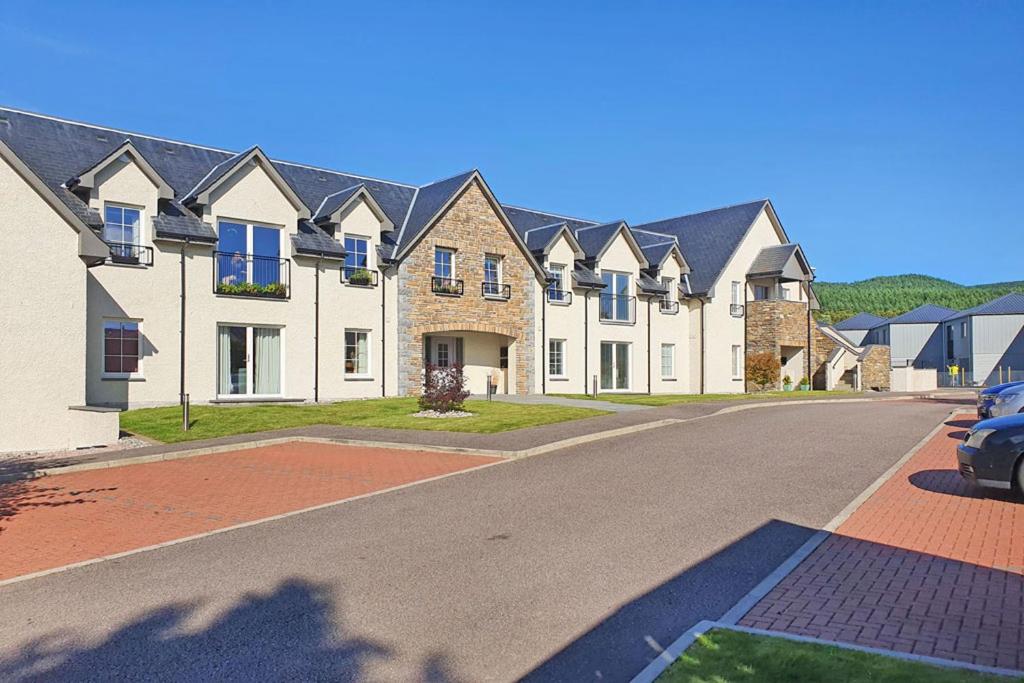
(617, 308)
(129, 254)
(248, 275)
(446, 286)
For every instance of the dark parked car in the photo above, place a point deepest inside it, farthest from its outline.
(990, 455)
(986, 397)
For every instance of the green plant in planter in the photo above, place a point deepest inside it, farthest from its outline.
(787, 383)
(274, 290)
(805, 384)
(360, 276)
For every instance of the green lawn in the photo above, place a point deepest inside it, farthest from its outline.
(671, 399)
(723, 656)
(164, 424)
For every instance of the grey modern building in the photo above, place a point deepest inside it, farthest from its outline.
(856, 329)
(915, 337)
(987, 341)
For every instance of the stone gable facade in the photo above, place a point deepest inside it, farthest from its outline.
(773, 324)
(472, 228)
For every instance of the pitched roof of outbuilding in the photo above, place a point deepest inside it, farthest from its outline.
(861, 321)
(709, 239)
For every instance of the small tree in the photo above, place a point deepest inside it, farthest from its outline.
(444, 388)
(763, 370)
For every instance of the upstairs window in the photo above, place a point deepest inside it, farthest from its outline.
(556, 287)
(761, 293)
(616, 302)
(492, 275)
(121, 228)
(356, 255)
(737, 293)
(444, 263)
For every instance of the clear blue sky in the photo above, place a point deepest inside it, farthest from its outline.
(889, 135)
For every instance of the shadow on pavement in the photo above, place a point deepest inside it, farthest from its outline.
(288, 634)
(950, 483)
(621, 645)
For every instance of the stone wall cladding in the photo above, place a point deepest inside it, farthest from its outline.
(876, 368)
(774, 324)
(471, 227)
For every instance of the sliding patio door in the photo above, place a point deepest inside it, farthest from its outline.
(614, 366)
(249, 361)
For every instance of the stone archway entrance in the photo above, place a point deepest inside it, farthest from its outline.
(485, 351)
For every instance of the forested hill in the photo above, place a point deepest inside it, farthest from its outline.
(892, 295)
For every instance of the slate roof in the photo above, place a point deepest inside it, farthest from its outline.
(654, 246)
(312, 241)
(527, 219)
(928, 313)
(215, 174)
(708, 239)
(537, 239)
(178, 223)
(333, 202)
(650, 285)
(1008, 304)
(861, 321)
(593, 238)
(585, 277)
(426, 202)
(772, 260)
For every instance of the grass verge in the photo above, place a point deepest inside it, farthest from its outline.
(164, 424)
(672, 399)
(724, 656)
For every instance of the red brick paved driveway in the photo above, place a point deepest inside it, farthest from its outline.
(926, 565)
(68, 518)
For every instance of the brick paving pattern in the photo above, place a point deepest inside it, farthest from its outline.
(926, 565)
(59, 520)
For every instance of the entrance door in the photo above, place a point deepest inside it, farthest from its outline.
(249, 361)
(614, 366)
(442, 351)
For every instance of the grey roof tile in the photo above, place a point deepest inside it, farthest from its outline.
(771, 260)
(585, 277)
(528, 219)
(537, 239)
(650, 285)
(708, 239)
(861, 321)
(928, 313)
(175, 222)
(426, 203)
(333, 202)
(593, 238)
(1008, 304)
(312, 241)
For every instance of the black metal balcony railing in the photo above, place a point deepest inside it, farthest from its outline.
(132, 254)
(237, 274)
(560, 296)
(618, 308)
(667, 306)
(359, 277)
(446, 286)
(736, 310)
(496, 290)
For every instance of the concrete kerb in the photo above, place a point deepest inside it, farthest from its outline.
(506, 454)
(673, 651)
(731, 618)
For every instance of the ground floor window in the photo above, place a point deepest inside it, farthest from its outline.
(737, 362)
(556, 357)
(614, 366)
(357, 353)
(668, 361)
(122, 346)
(249, 361)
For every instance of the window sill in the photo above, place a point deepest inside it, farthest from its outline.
(256, 399)
(560, 378)
(359, 286)
(132, 266)
(451, 295)
(495, 297)
(252, 297)
(668, 379)
(122, 378)
(617, 322)
(554, 302)
(359, 378)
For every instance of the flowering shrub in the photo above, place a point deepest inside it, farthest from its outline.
(444, 388)
(763, 370)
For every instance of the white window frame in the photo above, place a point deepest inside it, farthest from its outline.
(963, 330)
(737, 293)
(498, 272)
(122, 206)
(138, 374)
(615, 366)
(737, 361)
(561, 343)
(447, 250)
(369, 353)
(630, 318)
(671, 374)
(250, 227)
(250, 392)
(558, 269)
(361, 238)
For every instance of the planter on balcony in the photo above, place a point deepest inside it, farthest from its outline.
(274, 290)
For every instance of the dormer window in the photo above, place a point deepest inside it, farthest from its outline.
(122, 228)
(357, 260)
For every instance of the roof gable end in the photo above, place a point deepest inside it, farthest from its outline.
(219, 174)
(127, 149)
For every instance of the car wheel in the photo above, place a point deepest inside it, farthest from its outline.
(1020, 476)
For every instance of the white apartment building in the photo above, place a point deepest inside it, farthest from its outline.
(139, 269)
